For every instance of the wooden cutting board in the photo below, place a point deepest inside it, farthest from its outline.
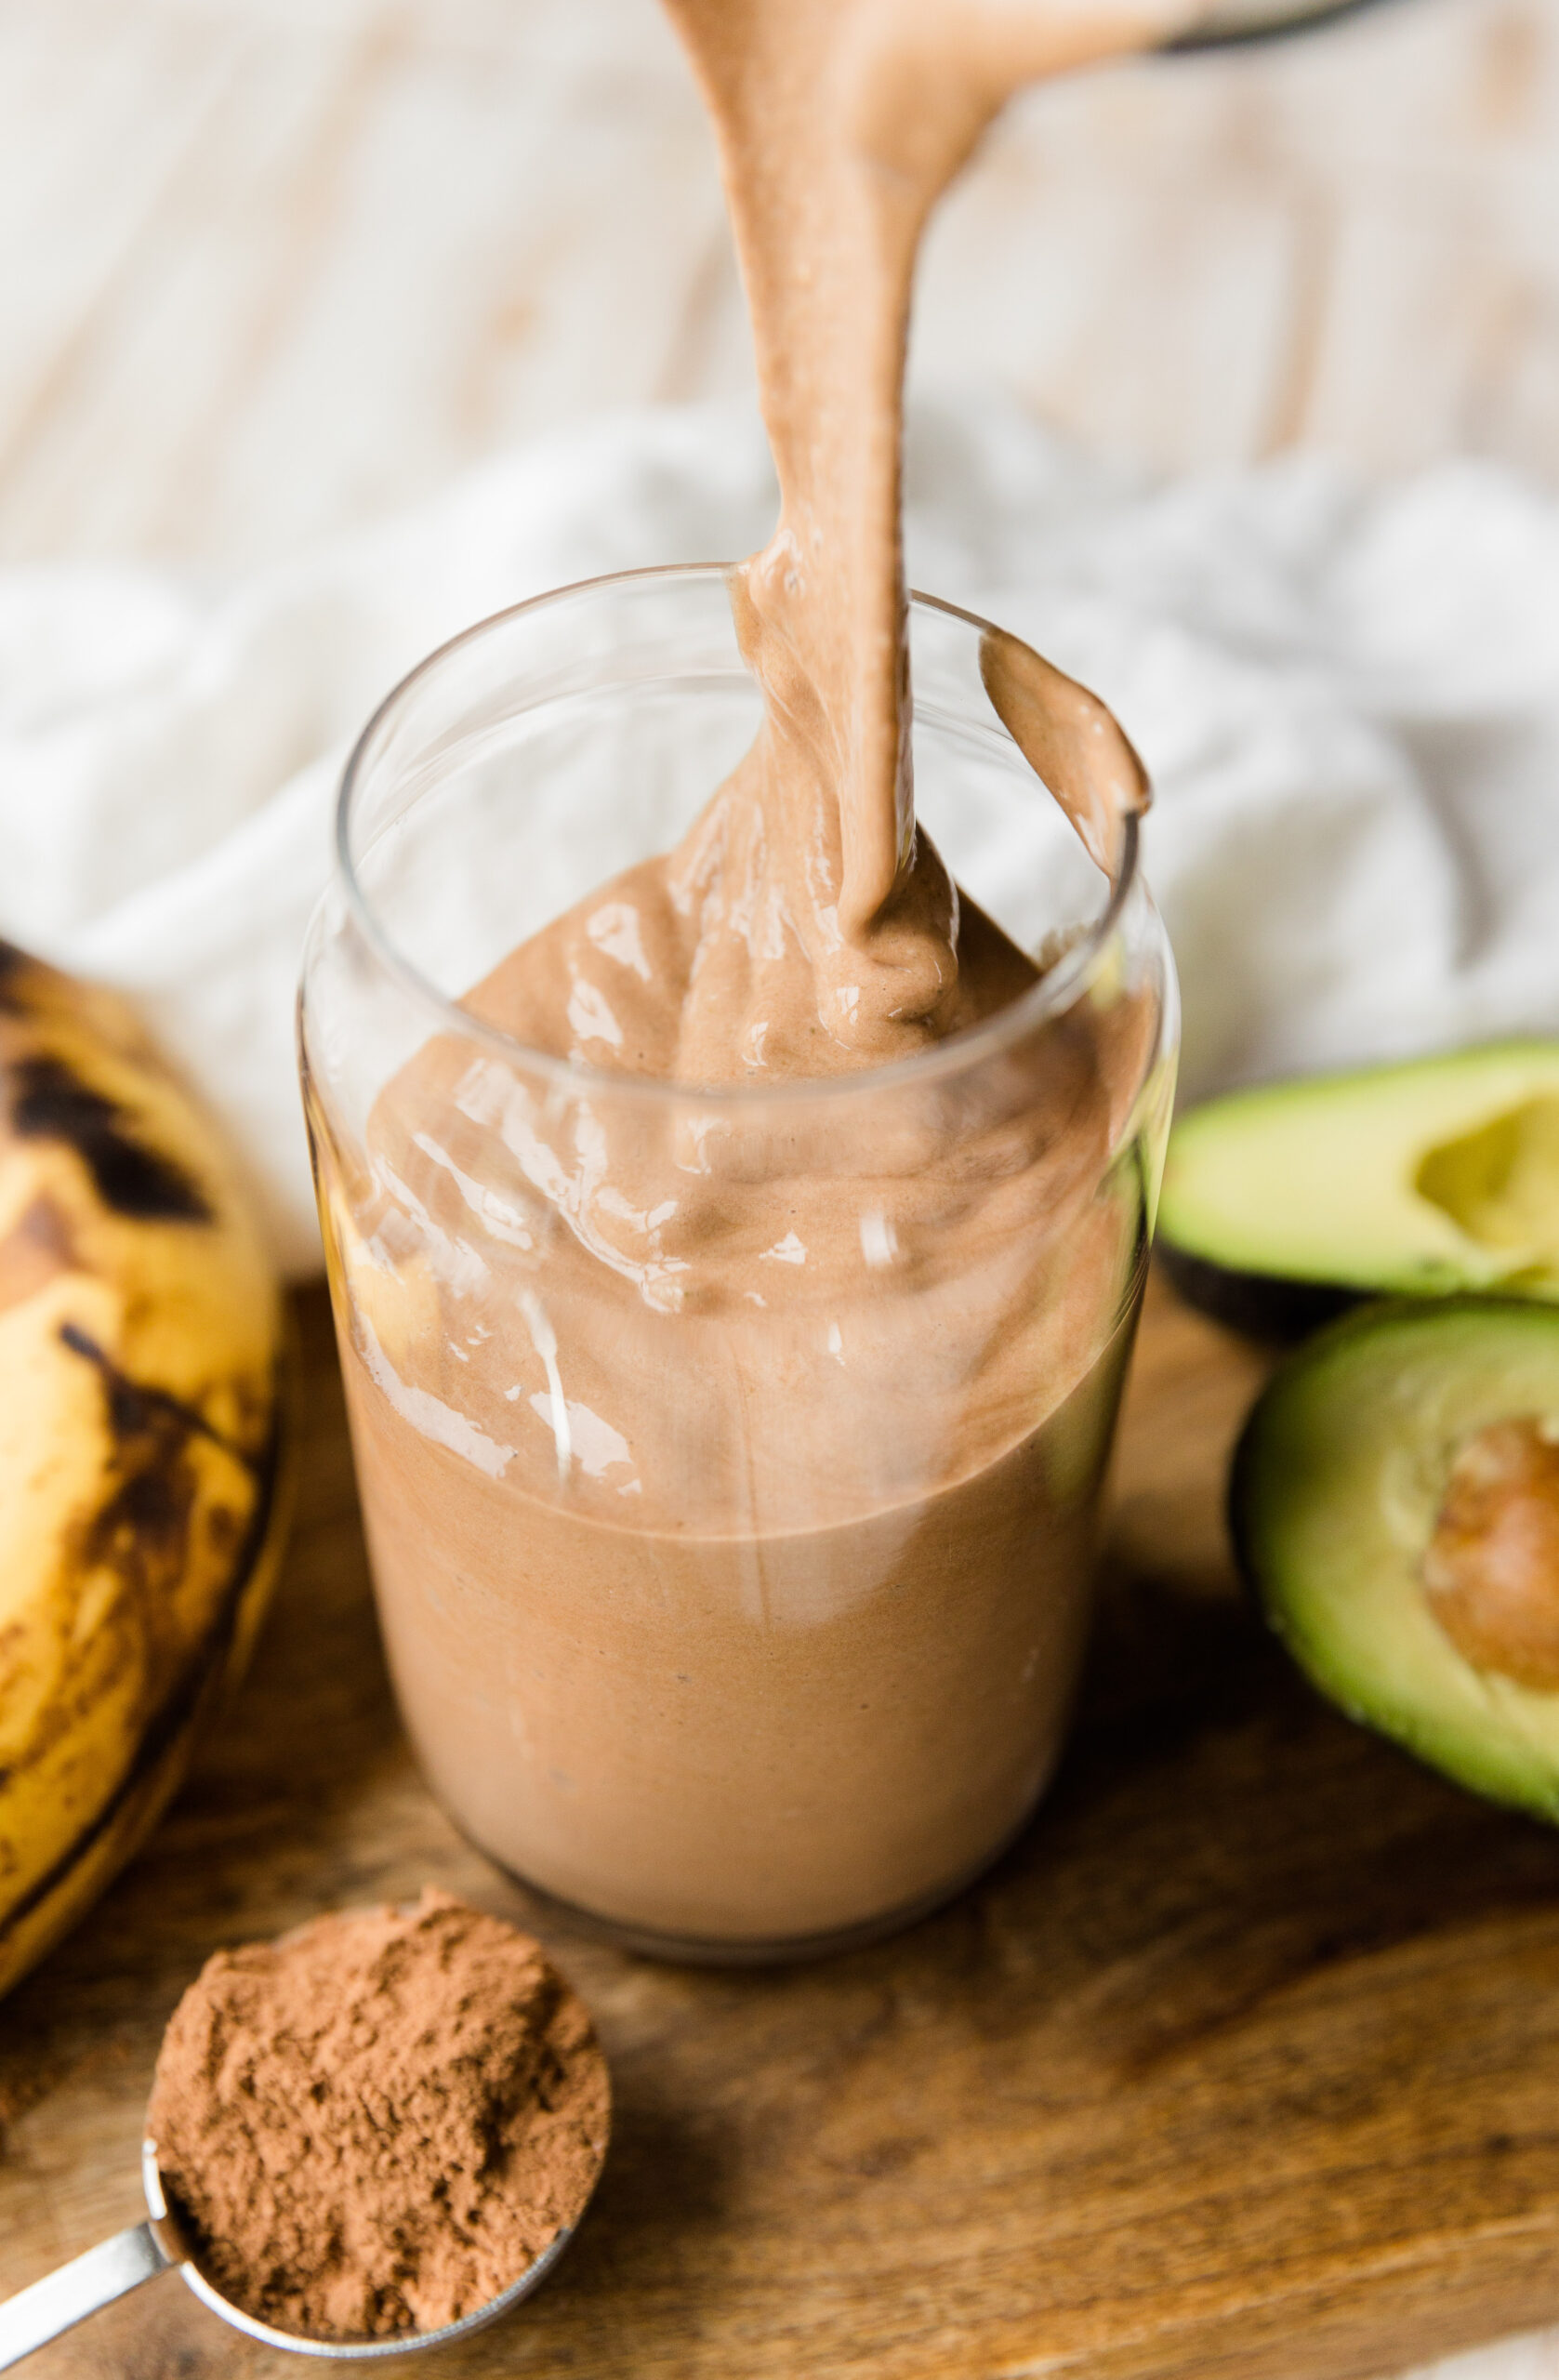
(1246, 2061)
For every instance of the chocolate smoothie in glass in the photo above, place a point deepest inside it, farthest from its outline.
(735, 1263)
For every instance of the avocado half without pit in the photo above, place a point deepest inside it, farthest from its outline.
(1395, 1503)
(1283, 1204)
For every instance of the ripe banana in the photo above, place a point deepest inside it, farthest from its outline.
(143, 1377)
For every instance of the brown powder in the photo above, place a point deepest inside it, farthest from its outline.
(377, 2122)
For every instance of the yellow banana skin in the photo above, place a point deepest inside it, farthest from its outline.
(145, 1386)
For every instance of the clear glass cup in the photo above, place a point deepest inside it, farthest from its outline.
(744, 1623)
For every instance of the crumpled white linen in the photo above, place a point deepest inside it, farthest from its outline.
(1348, 697)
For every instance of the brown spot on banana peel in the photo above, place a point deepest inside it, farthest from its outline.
(176, 1711)
(134, 1407)
(1491, 1569)
(139, 1533)
(50, 1103)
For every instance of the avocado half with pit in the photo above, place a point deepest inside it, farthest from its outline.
(1283, 1204)
(1395, 1503)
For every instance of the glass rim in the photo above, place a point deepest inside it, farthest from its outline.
(1060, 986)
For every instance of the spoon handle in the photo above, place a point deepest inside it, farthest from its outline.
(63, 2298)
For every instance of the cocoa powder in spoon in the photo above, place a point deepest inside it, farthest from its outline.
(376, 2123)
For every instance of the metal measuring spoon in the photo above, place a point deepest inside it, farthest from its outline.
(62, 2299)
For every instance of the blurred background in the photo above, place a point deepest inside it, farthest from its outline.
(274, 266)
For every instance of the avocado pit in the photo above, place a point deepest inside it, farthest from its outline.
(1499, 1184)
(1491, 1568)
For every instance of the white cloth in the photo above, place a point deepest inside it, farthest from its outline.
(1348, 698)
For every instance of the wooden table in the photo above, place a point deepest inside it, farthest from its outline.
(1246, 2061)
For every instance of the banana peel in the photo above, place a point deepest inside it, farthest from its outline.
(145, 1402)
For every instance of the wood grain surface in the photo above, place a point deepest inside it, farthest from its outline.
(1246, 2061)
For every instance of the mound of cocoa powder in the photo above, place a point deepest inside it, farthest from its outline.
(377, 2122)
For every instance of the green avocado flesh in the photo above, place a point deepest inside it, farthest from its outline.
(1338, 1483)
(1437, 1175)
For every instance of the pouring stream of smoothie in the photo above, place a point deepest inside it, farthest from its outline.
(840, 123)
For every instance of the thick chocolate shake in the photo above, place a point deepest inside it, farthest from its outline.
(731, 1472)
(733, 1541)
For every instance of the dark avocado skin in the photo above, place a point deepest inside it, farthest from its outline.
(1259, 1306)
(1237, 1500)
(1358, 1316)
